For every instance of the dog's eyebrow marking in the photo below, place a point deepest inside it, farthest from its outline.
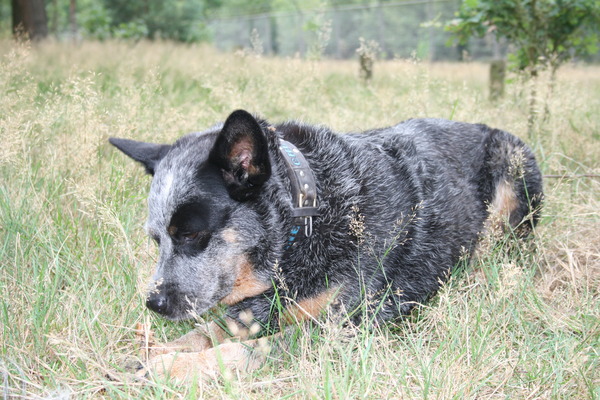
(172, 230)
(230, 235)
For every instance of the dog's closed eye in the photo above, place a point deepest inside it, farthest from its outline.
(197, 239)
(190, 235)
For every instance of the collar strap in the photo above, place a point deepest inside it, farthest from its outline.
(304, 186)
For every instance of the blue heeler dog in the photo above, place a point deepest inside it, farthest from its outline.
(279, 222)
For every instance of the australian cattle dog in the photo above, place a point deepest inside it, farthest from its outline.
(280, 222)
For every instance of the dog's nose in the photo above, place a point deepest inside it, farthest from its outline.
(157, 302)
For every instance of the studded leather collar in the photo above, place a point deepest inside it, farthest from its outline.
(304, 190)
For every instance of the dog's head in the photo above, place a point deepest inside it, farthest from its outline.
(201, 217)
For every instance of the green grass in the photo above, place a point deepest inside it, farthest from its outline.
(74, 260)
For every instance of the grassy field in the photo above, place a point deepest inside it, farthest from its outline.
(74, 259)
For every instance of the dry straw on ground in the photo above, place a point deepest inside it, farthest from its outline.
(74, 259)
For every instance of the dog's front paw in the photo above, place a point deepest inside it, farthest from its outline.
(180, 367)
(148, 347)
(208, 364)
(195, 341)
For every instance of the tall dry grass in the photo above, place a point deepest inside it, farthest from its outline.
(74, 259)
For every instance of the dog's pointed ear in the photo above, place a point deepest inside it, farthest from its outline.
(149, 154)
(241, 152)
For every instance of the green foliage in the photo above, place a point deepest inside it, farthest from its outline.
(169, 19)
(131, 30)
(543, 32)
(180, 20)
(5, 18)
(95, 21)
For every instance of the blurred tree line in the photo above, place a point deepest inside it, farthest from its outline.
(328, 27)
(404, 29)
(180, 20)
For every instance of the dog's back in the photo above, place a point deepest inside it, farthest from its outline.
(405, 203)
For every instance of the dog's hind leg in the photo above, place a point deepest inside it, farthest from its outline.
(512, 185)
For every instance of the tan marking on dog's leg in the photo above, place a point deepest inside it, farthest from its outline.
(246, 284)
(505, 200)
(309, 308)
(504, 203)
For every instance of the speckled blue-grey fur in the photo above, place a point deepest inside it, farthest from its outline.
(399, 207)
